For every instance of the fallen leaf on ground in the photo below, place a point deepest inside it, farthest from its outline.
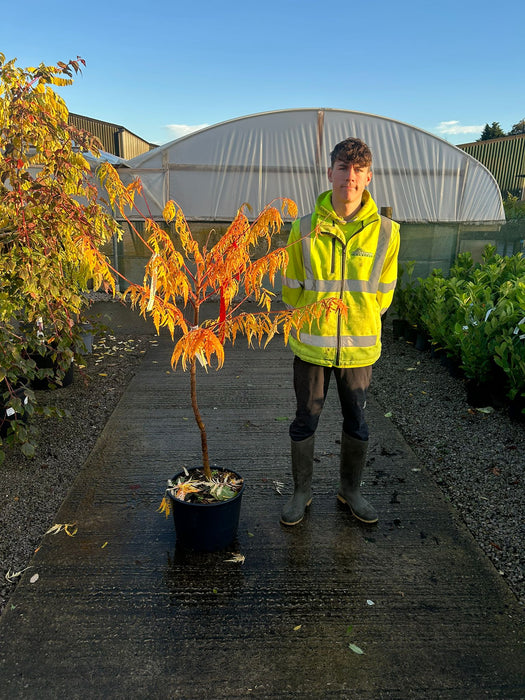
(11, 576)
(355, 648)
(70, 529)
(237, 559)
(278, 485)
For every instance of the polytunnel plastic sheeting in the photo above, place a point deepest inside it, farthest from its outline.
(255, 159)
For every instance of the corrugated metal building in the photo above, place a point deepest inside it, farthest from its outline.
(114, 138)
(505, 158)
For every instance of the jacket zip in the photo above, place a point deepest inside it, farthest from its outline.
(344, 247)
(341, 296)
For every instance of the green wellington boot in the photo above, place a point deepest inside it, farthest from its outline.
(353, 460)
(302, 469)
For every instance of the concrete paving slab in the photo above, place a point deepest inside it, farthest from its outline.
(120, 611)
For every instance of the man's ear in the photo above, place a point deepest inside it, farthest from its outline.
(369, 177)
(330, 171)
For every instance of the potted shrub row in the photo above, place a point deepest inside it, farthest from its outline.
(475, 316)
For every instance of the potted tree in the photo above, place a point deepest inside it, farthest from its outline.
(52, 227)
(180, 277)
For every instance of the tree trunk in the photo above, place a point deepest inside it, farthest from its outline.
(198, 418)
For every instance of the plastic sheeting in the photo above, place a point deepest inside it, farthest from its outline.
(257, 158)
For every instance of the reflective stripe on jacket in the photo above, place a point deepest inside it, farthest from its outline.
(355, 261)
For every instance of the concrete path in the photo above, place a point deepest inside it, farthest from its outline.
(119, 612)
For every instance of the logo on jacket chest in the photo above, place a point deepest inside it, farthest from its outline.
(360, 253)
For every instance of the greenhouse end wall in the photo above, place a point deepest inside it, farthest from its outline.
(430, 245)
(437, 245)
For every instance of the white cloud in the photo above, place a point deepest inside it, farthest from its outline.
(178, 130)
(454, 127)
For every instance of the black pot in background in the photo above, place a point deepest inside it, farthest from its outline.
(437, 352)
(422, 342)
(517, 409)
(411, 333)
(7, 413)
(46, 362)
(206, 527)
(479, 394)
(87, 337)
(486, 393)
(453, 366)
(399, 326)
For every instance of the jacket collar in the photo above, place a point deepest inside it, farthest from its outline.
(333, 223)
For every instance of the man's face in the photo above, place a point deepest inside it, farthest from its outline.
(348, 183)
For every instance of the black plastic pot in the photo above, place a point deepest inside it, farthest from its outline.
(422, 342)
(410, 333)
(437, 352)
(86, 339)
(46, 362)
(479, 394)
(7, 413)
(206, 527)
(486, 393)
(399, 326)
(453, 366)
(517, 409)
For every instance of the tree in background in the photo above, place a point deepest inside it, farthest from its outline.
(494, 131)
(491, 132)
(518, 128)
(52, 226)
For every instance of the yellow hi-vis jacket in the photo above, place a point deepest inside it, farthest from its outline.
(355, 261)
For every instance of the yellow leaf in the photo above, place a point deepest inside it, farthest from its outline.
(165, 506)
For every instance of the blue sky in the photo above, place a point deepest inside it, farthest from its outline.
(162, 69)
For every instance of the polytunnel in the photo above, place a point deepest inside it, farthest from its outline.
(257, 158)
(446, 201)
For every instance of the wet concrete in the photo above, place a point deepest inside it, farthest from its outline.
(118, 611)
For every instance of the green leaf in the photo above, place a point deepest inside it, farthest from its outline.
(28, 449)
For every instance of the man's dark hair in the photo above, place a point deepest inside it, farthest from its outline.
(352, 150)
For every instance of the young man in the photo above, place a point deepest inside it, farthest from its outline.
(343, 249)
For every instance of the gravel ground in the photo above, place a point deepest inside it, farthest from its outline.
(476, 458)
(32, 490)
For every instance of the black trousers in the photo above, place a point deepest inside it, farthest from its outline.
(311, 384)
